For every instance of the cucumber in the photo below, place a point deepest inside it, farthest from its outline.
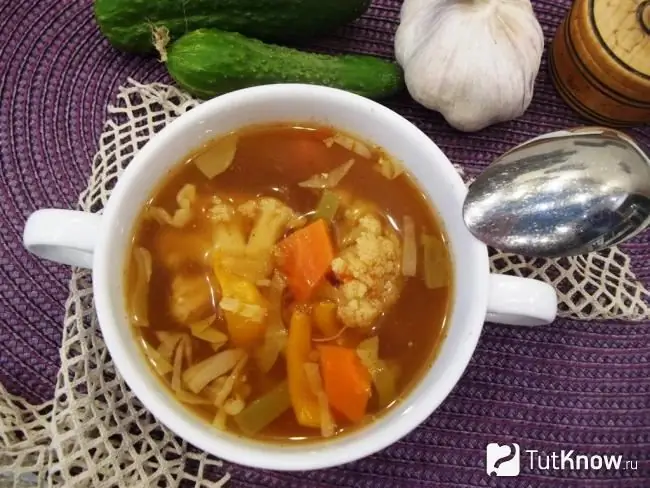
(127, 23)
(209, 62)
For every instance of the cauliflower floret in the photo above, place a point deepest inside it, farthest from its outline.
(271, 219)
(248, 209)
(370, 272)
(191, 297)
(251, 258)
(220, 211)
(185, 198)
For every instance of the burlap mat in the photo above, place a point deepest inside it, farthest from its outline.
(573, 386)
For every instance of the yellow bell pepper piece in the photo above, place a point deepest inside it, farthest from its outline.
(244, 328)
(303, 400)
(324, 315)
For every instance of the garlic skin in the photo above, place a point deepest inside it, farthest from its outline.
(474, 61)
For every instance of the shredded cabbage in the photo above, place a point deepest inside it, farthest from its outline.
(251, 311)
(225, 391)
(202, 330)
(409, 249)
(383, 375)
(218, 157)
(139, 304)
(191, 398)
(350, 144)
(160, 364)
(327, 425)
(389, 168)
(275, 336)
(168, 342)
(199, 375)
(328, 180)
(177, 369)
(436, 262)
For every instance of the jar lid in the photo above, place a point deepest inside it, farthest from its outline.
(623, 29)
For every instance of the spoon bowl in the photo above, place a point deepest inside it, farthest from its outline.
(565, 193)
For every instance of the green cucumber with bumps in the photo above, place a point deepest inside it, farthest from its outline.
(210, 62)
(128, 23)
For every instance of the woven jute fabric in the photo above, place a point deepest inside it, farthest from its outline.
(579, 384)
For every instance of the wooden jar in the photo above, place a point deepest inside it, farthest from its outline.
(600, 61)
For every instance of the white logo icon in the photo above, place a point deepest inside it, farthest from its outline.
(502, 460)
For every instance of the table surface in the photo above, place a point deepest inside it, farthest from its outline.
(572, 385)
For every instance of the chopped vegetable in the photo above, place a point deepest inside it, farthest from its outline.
(201, 325)
(409, 249)
(218, 157)
(177, 369)
(234, 406)
(191, 297)
(304, 402)
(306, 255)
(251, 268)
(275, 337)
(202, 330)
(213, 388)
(436, 268)
(226, 389)
(186, 344)
(199, 375)
(244, 308)
(272, 217)
(328, 180)
(228, 238)
(191, 398)
(383, 376)
(369, 273)
(176, 247)
(160, 364)
(220, 418)
(324, 316)
(213, 336)
(389, 168)
(168, 342)
(327, 206)
(350, 144)
(185, 197)
(347, 381)
(327, 425)
(139, 304)
(261, 412)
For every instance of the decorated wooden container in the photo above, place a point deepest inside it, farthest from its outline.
(600, 61)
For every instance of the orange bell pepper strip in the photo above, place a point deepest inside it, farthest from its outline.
(304, 402)
(306, 255)
(347, 382)
(324, 315)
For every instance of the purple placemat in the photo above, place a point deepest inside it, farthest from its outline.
(572, 385)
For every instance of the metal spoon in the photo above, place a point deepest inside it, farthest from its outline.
(565, 193)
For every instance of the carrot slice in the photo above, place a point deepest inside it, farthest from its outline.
(304, 402)
(306, 255)
(347, 381)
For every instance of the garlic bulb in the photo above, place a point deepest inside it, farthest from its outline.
(474, 61)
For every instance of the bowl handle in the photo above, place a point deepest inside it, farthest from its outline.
(64, 236)
(520, 301)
